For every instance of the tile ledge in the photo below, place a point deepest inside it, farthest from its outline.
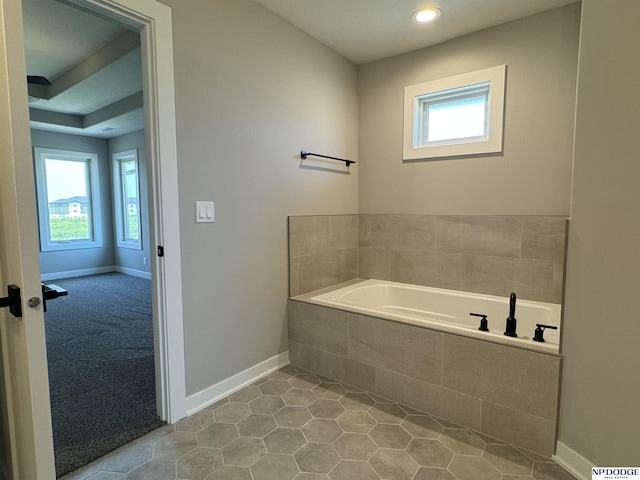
(304, 297)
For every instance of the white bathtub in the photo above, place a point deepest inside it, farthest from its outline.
(448, 311)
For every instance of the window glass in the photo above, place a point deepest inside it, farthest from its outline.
(456, 119)
(127, 199)
(67, 190)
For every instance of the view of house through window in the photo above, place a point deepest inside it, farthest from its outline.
(67, 188)
(68, 199)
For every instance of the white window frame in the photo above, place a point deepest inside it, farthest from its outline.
(46, 245)
(118, 195)
(417, 97)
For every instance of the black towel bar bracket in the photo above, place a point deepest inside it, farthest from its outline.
(305, 154)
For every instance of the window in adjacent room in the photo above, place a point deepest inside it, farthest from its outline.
(126, 194)
(460, 115)
(68, 199)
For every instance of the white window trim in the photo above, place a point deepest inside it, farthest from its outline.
(46, 245)
(492, 143)
(117, 159)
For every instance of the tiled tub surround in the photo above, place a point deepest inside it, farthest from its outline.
(505, 392)
(494, 255)
(323, 251)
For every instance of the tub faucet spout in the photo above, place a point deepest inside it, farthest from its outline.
(510, 331)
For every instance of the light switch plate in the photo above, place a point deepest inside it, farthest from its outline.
(204, 212)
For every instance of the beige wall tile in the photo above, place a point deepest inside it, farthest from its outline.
(322, 251)
(332, 366)
(321, 327)
(376, 231)
(543, 237)
(319, 271)
(360, 375)
(309, 358)
(558, 281)
(293, 277)
(343, 232)
(413, 232)
(450, 270)
(403, 232)
(490, 275)
(473, 253)
(308, 235)
(522, 429)
(349, 264)
(534, 280)
(374, 262)
(412, 351)
(516, 378)
(372, 231)
(479, 235)
(418, 268)
(297, 356)
(456, 407)
(365, 230)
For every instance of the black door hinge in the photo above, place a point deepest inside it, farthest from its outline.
(160, 251)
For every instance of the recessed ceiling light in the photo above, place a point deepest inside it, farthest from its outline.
(424, 15)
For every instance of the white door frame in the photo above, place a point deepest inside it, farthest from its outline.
(153, 20)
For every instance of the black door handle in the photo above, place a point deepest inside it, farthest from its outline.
(51, 292)
(13, 301)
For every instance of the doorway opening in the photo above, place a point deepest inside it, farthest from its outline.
(106, 226)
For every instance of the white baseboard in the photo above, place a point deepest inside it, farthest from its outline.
(573, 462)
(212, 394)
(45, 277)
(133, 272)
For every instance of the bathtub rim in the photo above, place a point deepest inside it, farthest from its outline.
(524, 344)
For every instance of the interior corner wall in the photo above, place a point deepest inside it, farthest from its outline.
(252, 91)
(533, 174)
(600, 389)
(55, 262)
(130, 259)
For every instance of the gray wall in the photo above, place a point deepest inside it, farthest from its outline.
(251, 92)
(599, 411)
(127, 257)
(531, 177)
(83, 258)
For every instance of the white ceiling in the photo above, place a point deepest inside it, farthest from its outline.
(94, 66)
(95, 70)
(368, 30)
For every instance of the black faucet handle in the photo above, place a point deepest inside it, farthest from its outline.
(512, 305)
(484, 324)
(538, 335)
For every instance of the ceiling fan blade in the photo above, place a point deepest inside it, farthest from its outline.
(37, 80)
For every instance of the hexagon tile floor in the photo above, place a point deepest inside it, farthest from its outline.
(296, 425)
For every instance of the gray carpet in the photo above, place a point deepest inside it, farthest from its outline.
(101, 370)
